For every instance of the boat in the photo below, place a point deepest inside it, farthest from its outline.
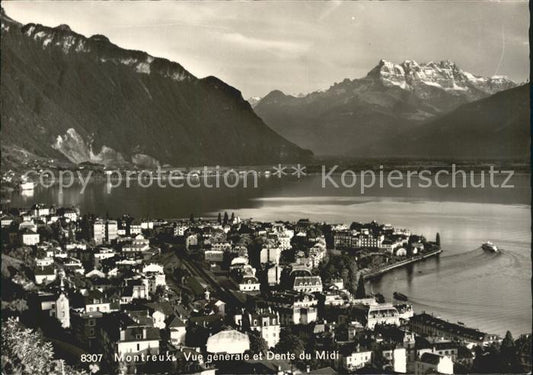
(399, 296)
(489, 246)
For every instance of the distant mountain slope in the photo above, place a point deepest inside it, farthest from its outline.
(85, 99)
(493, 128)
(254, 100)
(392, 99)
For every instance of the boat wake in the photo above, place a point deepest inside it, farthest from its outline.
(463, 254)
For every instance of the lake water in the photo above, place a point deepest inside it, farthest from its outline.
(491, 292)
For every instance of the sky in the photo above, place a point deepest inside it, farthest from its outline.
(300, 47)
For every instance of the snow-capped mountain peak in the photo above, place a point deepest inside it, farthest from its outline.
(445, 75)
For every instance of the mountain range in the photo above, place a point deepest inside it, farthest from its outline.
(76, 99)
(83, 99)
(493, 128)
(393, 105)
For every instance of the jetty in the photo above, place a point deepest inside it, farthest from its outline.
(370, 274)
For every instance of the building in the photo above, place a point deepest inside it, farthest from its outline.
(105, 231)
(178, 331)
(430, 363)
(70, 214)
(136, 245)
(221, 246)
(405, 310)
(29, 237)
(317, 254)
(294, 308)
(43, 262)
(112, 230)
(444, 348)
(249, 283)
(156, 277)
(39, 210)
(230, 342)
(401, 252)
(99, 230)
(274, 275)
(135, 289)
(180, 229)
(268, 325)
(101, 254)
(345, 239)
(284, 240)
(335, 298)
(214, 256)
(28, 224)
(398, 358)
(370, 241)
(62, 310)
(428, 325)
(191, 241)
(354, 328)
(70, 264)
(135, 228)
(383, 313)
(84, 327)
(352, 360)
(45, 274)
(307, 284)
(95, 301)
(6, 220)
(270, 254)
(147, 224)
(127, 333)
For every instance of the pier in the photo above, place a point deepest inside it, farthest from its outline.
(381, 271)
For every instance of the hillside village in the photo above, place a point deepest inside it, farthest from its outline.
(224, 295)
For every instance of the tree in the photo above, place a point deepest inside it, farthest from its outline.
(377, 358)
(225, 218)
(219, 218)
(24, 351)
(71, 234)
(523, 348)
(160, 294)
(196, 335)
(437, 239)
(19, 305)
(507, 342)
(232, 217)
(485, 361)
(508, 355)
(361, 292)
(289, 343)
(257, 343)
(191, 218)
(352, 266)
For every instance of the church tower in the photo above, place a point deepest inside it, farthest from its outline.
(63, 305)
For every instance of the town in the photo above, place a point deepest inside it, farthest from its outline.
(225, 295)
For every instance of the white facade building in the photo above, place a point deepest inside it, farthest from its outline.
(382, 314)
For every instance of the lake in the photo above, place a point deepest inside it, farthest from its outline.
(491, 292)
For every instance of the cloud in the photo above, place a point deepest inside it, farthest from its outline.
(298, 46)
(331, 6)
(275, 46)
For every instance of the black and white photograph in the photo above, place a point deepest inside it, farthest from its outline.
(265, 187)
